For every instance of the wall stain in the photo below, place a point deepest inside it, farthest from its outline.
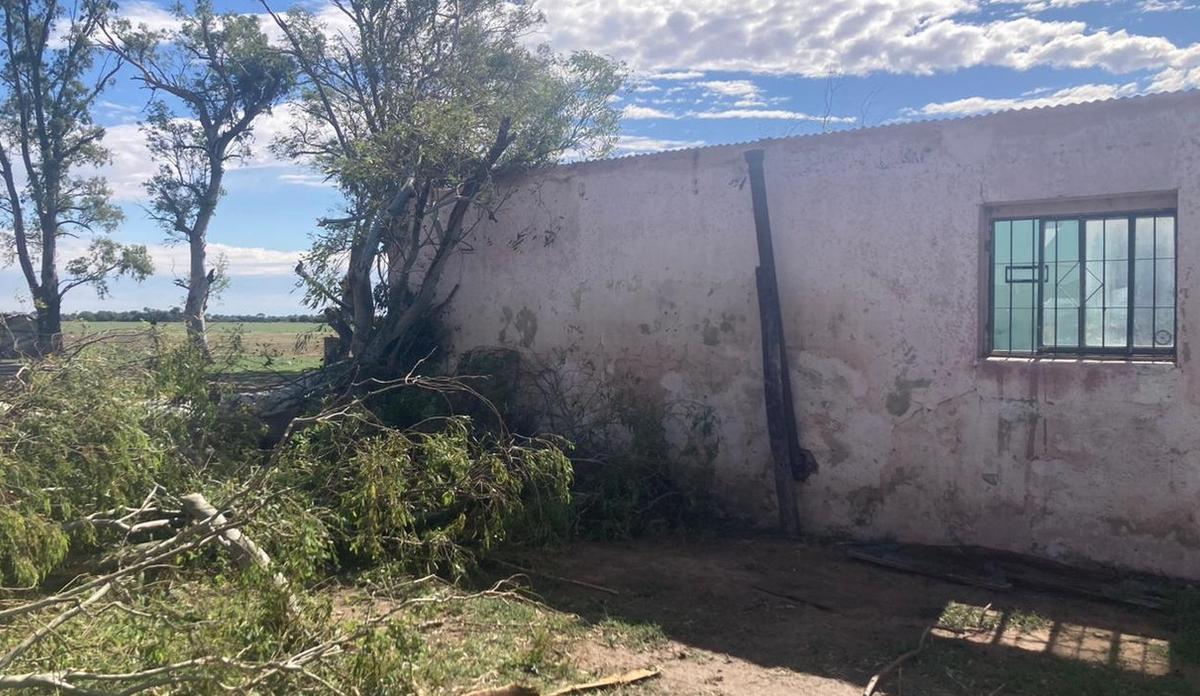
(526, 325)
(865, 501)
(1181, 527)
(506, 317)
(900, 399)
(525, 322)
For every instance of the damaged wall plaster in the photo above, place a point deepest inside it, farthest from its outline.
(648, 266)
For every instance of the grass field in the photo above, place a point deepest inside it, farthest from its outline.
(275, 346)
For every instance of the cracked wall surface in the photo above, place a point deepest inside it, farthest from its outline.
(645, 266)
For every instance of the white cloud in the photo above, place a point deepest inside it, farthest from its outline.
(731, 88)
(637, 145)
(1038, 98)
(172, 259)
(635, 112)
(150, 15)
(1166, 6)
(745, 92)
(241, 261)
(306, 179)
(676, 75)
(773, 114)
(855, 37)
(131, 164)
(1035, 6)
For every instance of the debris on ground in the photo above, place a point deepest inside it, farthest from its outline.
(1002, 570)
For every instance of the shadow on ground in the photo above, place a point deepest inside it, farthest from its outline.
(767, 616)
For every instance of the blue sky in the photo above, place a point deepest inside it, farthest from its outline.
(704, 72)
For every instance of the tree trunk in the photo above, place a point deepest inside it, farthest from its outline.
(199, 284)
(200, 277)
(49, 323)
(49, 302)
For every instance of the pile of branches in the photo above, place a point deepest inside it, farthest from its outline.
(208, 580)
(195, 527)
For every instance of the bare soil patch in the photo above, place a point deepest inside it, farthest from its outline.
(773, 616)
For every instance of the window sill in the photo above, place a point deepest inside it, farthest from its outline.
(1161, 361)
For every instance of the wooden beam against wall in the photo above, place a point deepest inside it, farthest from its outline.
(792, 462)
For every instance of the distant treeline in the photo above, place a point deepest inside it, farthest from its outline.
(176, 314)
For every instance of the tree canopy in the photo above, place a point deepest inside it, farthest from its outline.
(48, 141)
(220, 75)
(413, 110)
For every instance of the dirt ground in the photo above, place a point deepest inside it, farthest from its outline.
(772, 616)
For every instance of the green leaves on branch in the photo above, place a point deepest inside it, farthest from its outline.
(106, 259)
(99, 432)
(442, 98)
(427, 500)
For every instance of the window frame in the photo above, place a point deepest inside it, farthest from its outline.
(1082, 351)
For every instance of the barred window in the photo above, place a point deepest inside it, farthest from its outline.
(1101, 286)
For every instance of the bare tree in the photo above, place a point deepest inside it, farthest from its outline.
(51, 81)
(224, 75)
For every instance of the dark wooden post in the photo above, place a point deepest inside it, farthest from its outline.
(792, 463)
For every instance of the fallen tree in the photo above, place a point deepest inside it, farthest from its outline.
(219, 588)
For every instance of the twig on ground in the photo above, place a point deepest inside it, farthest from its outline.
(556, 578)
(794, 598)
(625, 679)
(609, 682)
(874, 683)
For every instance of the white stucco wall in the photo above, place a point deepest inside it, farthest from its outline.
(646, 265)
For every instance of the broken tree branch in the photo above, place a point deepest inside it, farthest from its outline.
(556, 578)
(246, 553)
(891, 666)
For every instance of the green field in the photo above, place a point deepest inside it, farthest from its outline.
(274, 346)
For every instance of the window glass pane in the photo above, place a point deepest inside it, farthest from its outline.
(1143, 238)
(1093, 326)
(1066, 277)
(1068, 328)
(1164, 328)
(1164, 283)
(1094, 239)
(1022, 329)
(1143, 283)
(1116, 238)
(1049, 337)
(1000, 335)
(1022, 295)
(1050, 242)
(1002, 241)
(1000, 296)
(1115, 327)
(1024, 242)
(1164, 237)
(1093, 284)
(1143, 328)
(1116, 283)
(1068, 240)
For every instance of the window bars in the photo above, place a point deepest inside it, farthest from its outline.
(1084, 285)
